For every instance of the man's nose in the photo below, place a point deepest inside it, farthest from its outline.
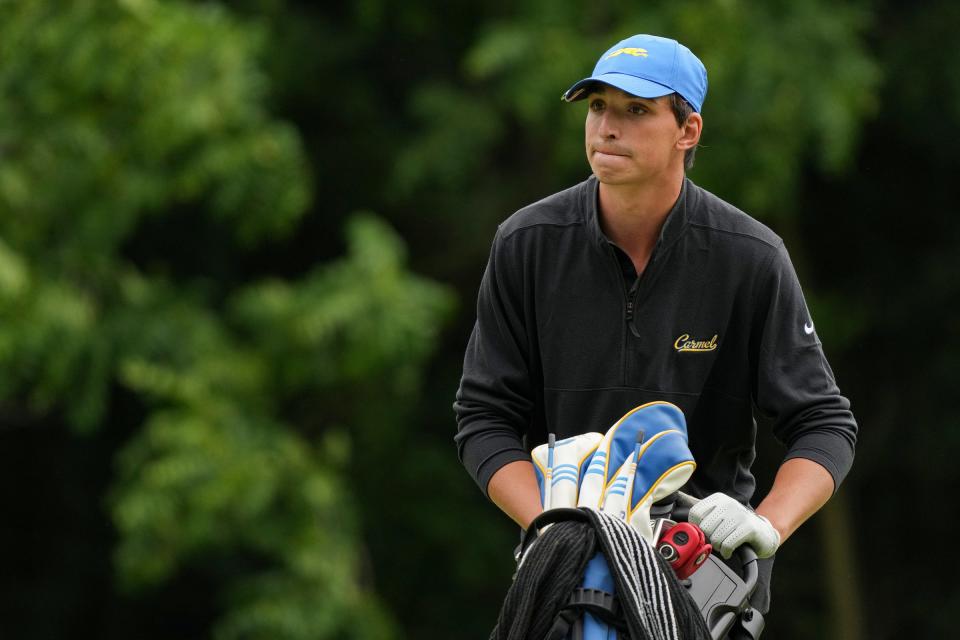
(608, 127)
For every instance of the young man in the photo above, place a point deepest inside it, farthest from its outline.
(636, 285)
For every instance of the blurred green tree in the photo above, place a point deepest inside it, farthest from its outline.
(139, 169)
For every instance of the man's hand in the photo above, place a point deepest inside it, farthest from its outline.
(728, 524)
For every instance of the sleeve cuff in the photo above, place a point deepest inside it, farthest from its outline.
(833, 453)
(484, 449)
(496, 462)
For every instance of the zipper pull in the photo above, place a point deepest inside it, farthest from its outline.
(633, 328)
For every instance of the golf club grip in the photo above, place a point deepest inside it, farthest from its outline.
(751, 573)
(681, 506)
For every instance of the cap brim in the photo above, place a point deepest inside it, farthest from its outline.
(630, 84)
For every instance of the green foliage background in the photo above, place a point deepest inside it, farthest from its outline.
(239, 248)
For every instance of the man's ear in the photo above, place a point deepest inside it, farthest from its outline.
(690, 132)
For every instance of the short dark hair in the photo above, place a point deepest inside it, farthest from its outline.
(681, 111)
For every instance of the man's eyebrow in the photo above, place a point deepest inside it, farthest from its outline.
(601, 90)
(645, 101)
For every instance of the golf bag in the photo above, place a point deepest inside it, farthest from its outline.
(565, 589)
(586, 575)
(593, 573)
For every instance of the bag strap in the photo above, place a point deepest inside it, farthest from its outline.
(550, 516)
(596, 602)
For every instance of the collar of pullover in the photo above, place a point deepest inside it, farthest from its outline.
(671, 230)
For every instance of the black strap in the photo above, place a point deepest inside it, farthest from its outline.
(549, 516)
(561, 625)
(598, 603)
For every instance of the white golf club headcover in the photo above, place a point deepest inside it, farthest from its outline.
(728, 524)
(559, 483)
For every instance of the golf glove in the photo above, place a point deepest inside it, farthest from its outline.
(728, 524)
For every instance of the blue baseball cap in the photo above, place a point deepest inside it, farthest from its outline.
(648, 67)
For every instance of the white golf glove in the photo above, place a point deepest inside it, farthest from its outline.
(728, 524)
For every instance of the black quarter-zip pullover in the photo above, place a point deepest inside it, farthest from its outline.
(717, 324)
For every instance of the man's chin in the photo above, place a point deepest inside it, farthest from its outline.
(611, 178)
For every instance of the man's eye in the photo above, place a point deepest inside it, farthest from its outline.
(596, 105)
(637, 109)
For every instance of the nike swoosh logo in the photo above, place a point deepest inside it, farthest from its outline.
(808, 328)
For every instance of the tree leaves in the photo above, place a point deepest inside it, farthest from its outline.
(122, 120)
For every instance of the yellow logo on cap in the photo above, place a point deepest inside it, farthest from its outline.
(630, 51)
